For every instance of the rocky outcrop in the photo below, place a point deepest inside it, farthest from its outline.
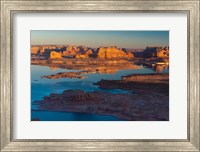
(86, 97)
(152, 83)
(35, 49)
(84, 55)
(130, 55)
(109, 53)
(65, 75)
(163, 53)
(154, 52)
(148, 78)
(132, 107)
(70, 51)
(55, 55)
(113, 53)
(89, 52)
(44, 50)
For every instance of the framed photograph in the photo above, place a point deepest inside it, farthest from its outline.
(100, 75)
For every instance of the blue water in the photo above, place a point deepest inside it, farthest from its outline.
(70, 116)
(41, 87)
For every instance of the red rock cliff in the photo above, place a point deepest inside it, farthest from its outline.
(113, 53)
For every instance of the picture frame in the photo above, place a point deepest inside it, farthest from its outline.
(9, 8)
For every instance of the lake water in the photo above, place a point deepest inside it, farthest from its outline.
(41, 87)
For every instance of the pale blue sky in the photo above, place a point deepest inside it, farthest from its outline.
(125, 39)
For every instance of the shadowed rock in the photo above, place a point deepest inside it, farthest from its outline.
(136, 107)
(140, 83)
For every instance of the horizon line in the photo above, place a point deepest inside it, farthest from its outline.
(96, 47)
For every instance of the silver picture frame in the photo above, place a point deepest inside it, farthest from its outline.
(11, 7)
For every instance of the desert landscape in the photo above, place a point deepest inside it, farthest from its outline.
(105, 83)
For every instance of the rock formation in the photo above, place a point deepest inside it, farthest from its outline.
(130, 55)
(113, 53)
(55, 55)
(71, 75)
(149, 106)
(34, 49)
(103, 53)
(154, 52)
(149, 83)
(86, 97)
(84, 55)
(163, 53)
(148, 78)
(71, 50)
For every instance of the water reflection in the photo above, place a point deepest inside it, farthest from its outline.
(37, 115)
(161, 68)
(53, 68)
(43, 87)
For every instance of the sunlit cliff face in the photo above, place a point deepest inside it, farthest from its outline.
(113, 53)
(55, 55)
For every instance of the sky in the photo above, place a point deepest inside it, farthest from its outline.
(122, 39)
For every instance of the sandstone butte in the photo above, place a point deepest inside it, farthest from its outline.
(151, 52)
(55, 55)
(84, 56)
(81, 52)
(113, 53)
(34, 49)
(110, 52)
(71, 50)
